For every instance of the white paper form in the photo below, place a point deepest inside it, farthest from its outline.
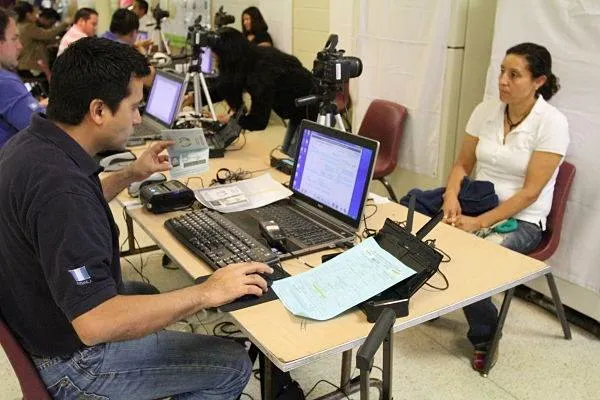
(243, 195)
(342, 282)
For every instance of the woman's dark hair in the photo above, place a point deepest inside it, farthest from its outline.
(92, 68)
(50, 14)
(123, 22)
(539, 61)
(258, 22)
(5, 16)
(22, 8)
(143, 5)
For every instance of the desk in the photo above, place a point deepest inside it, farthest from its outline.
(478, 269)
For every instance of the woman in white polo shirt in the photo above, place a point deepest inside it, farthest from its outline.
(516, 142)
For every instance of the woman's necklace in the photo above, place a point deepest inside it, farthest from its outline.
(513, 125)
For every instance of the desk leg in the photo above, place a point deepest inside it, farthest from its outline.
(346, 372)
(131, 250)
(268, 379)
(508, 295)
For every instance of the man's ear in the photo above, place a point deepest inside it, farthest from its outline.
(98, 111)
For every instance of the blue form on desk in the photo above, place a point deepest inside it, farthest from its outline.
(342, 282)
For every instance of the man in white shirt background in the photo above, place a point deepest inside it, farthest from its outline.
(85, 24)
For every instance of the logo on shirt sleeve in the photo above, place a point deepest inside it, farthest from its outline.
(80, 275)
(34, 106)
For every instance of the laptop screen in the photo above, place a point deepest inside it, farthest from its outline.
(207, 61)
(333, 170)
(165, 98)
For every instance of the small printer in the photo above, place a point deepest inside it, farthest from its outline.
(166, 196)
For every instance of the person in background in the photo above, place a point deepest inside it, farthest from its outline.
(140, 8)
(34, 39)
(85, 24)
(48, 17)
(62, 292)
(255, 28)
(16, 103)
(517, 142)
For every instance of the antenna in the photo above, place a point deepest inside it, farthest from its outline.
(411, 213)
(429, 225)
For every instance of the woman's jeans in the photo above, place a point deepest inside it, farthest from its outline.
(483, 315)
(159, 365)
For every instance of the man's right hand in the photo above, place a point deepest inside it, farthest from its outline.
(233, 281)
(451, 208)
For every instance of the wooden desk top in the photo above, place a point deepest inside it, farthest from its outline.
(478, 269)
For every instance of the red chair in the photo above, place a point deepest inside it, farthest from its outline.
(32, 386)
(384, 122)
(551, 237)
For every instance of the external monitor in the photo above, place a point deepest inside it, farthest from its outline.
(165, 98)
(206, 64)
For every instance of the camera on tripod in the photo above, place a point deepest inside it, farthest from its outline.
(331, 66)
(158, 14)
(200, 35)
(222, 18)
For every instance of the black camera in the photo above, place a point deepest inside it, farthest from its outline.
(200, 36)
(158, 13)
(222, 18)
(331, 66)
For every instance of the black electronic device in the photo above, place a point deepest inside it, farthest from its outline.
(412, 251)
(220, 140)
(166, 196)
(272, 233)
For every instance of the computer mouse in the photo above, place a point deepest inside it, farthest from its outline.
(134, 188)
(117, 161)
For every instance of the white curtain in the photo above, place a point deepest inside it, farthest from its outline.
(570, 29)
(402, 44)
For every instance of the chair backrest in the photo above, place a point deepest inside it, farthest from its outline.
(551, 237)
(32, 385)
(384, 121)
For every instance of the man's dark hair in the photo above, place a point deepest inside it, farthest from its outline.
(143, 5)
(84, 13)
(92, 68)
(50, 14)
(124, 22)
(22, 8)
(5, 16)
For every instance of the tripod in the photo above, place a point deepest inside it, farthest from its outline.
(196, 75)
(159, 38)
(328, 112)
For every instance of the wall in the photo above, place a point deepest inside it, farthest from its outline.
(310, 29)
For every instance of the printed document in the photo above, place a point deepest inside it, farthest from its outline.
(342, 282)
(243, 195)
(189, 154)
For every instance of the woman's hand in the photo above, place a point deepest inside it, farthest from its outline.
(451, 208)
(468, 224)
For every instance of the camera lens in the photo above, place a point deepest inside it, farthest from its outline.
(351, 67)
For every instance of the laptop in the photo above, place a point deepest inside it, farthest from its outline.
(221, 139)
(330, 182)
(162, 106)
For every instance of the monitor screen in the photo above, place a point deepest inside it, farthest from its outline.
(206, 63)
(142, 36)
(164, 98)
(334, 170)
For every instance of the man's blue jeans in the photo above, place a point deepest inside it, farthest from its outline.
(483, 315)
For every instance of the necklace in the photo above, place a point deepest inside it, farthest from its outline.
(513, 125)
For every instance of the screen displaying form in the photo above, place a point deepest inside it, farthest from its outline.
(206, 64)
(333, 172)
(164, 98)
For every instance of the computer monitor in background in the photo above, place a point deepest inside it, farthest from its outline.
(165, 98)
(206, 64)
(142, 35)
(290, 140)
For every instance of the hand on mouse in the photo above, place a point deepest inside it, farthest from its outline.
(151, 161)
(233, 281)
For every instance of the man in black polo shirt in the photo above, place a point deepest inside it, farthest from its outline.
(59, 259)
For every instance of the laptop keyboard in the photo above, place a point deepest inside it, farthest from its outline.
(296, 225)
(218, 242)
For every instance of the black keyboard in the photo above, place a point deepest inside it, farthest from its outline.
(296, 225)
(219, 242)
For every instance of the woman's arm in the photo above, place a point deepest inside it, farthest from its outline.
(539, 171)
(462, 167)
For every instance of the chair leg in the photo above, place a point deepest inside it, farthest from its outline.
(389, 189)
(560, 312)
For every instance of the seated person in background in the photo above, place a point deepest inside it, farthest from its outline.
(272, 78)
(517, 142)
(62, 292)
(124, 29)
(34, 39)
(48, 17)
(16, 103)
(85, 23)
(140, 8)
(255, 28)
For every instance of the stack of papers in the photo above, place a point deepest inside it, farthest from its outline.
(189, 154)
(342, 282)
(243, 195)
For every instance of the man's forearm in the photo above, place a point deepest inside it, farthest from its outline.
(113, 184)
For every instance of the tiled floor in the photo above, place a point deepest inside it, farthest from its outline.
(431, 361)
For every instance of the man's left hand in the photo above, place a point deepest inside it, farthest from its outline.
(223, 118)
(151, 161)
(468, 224)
